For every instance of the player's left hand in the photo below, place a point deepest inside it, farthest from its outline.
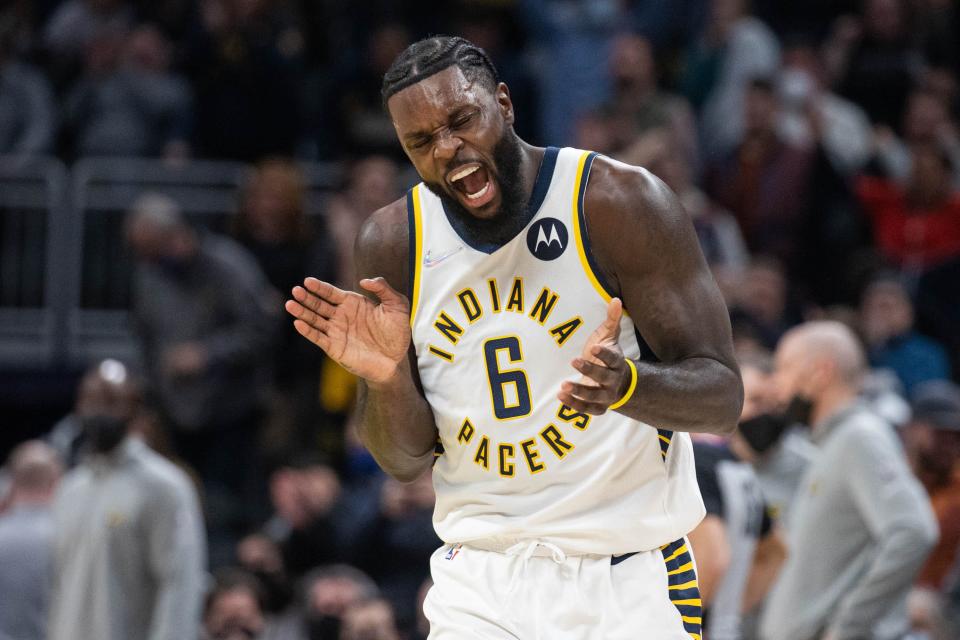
(605, 372)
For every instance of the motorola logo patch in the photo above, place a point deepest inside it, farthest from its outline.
(547, 238)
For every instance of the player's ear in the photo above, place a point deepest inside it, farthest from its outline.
(504, 102)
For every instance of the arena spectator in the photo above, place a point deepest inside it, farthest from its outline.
(205, 318)
(234, 610)
(887, 320)
(398, 543)
(738, 548)
(316, 519)
(734, 49)
(932, 441)
(18, 22)
(572, 39)
(26, 541)
(261, 557)
(328, 594)
(272, 224)
(862, 525)
(872, 60)
(99, 382)
(27, 116)
(422, 626)
(243, 62)
(759, 306)
(915, 227)
(363, 125)
(812, 114)
(129, 537)
(719, 234)
(926, 121)
(373, 182)
(638, 106)
(765, 181)
(369, 620)
(74, 26)
(128, 102)
(778, 448)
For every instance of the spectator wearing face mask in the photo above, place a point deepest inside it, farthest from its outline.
(328, 593)
(129, 542)
(862, 525)
(773, 442)
(98, 383)
(812, 114)
(738, 546)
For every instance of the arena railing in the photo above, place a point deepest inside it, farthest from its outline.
(101, 192)
(32, 233)
(64, 267)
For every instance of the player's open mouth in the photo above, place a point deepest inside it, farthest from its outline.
(473, 182)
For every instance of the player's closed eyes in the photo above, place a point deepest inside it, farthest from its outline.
(464, 120)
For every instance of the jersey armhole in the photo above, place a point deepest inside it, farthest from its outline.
(587, 260)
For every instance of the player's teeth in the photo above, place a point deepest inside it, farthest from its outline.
(463, 173)
(478, 194)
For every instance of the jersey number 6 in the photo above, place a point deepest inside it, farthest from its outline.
(503, 379)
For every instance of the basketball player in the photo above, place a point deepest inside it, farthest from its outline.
(557, 413)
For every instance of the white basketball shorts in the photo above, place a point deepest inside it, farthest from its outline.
(534, 591)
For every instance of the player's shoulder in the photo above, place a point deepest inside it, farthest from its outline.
(632, 217)
(386, 226)
(382, 246)
(617, 190)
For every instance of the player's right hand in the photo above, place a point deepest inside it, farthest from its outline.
(368, 339)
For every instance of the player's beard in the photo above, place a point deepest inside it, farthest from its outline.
(512, 215)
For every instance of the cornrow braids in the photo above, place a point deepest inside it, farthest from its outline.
(432, 55)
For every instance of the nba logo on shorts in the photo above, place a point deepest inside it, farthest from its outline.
(452, 552)
(547, 238)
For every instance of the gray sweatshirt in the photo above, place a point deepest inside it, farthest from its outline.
(130, 550)
(861, 528)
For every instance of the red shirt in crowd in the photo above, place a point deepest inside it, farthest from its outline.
(913, 238)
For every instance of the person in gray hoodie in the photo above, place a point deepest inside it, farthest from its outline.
(862, 523)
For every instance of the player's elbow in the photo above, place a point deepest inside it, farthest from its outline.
(407, 473)
(731, 402)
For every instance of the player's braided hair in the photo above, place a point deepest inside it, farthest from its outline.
(432, 55)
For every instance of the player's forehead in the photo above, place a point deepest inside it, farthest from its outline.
(429, 103)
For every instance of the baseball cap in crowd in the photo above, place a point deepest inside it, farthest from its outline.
(937, 403)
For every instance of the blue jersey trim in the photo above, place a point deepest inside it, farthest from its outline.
(540, 187)
(584, 236)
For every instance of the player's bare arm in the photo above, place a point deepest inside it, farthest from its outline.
(647, 249)
(369, 335)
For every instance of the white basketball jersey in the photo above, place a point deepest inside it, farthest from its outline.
(495, 330)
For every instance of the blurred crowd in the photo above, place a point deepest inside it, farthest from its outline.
(218, 481)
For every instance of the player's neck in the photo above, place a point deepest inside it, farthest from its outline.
(531, 158)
